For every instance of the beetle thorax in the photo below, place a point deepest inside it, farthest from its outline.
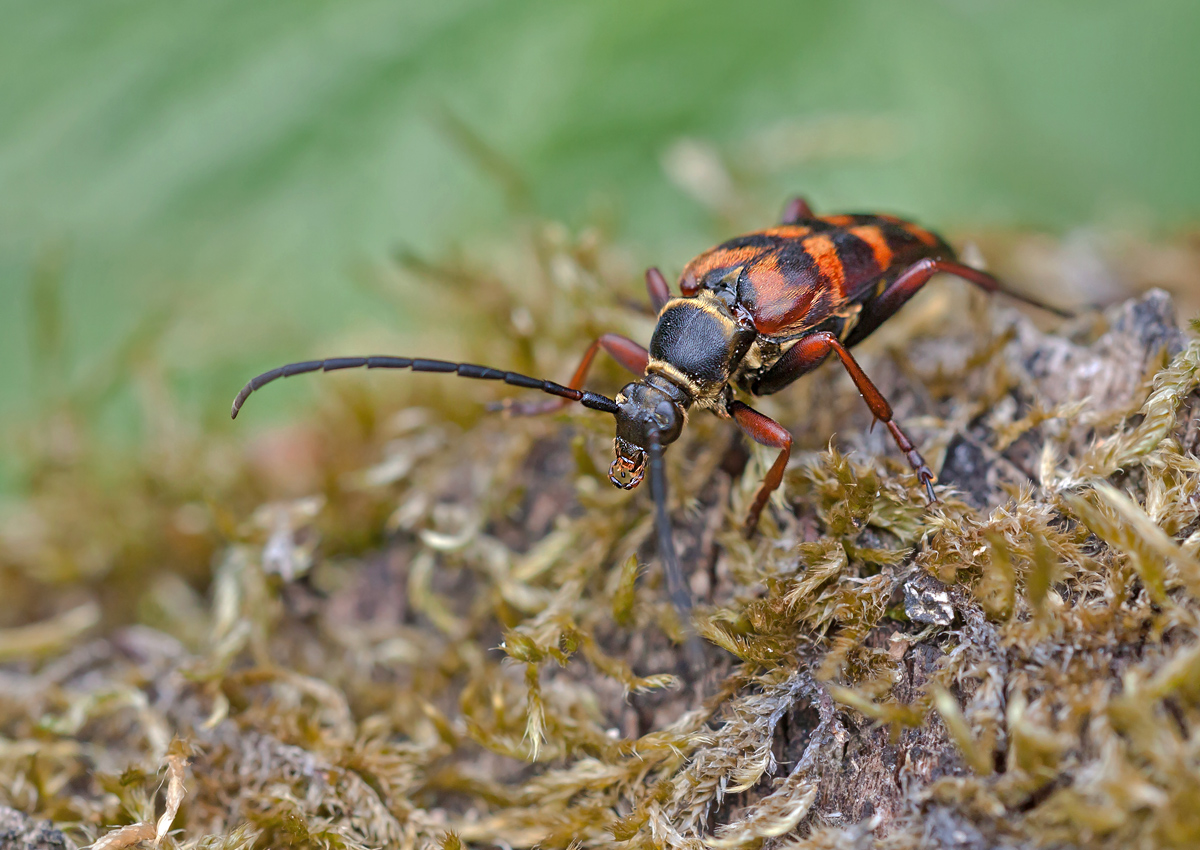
(697, 345)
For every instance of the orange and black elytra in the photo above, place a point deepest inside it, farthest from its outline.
(756, 312)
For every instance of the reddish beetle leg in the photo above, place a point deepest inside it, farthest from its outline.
(767, 432)
(656, 285)
(807, 354)
(817, 347)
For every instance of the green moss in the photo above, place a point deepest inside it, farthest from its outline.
(464, 639)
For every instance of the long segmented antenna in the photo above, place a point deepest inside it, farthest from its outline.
(677, 588)
(595, 401)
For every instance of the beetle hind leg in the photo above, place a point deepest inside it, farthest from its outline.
(909, 283)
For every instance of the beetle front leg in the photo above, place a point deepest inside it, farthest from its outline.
(807, 354)
(767, 432)
(624, 350)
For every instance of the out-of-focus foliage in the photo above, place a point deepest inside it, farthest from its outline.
(238, 168)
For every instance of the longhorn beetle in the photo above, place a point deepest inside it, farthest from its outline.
(757, 312)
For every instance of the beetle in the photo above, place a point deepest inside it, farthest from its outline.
(755, 313)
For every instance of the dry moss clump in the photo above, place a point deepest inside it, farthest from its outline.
(460, 637)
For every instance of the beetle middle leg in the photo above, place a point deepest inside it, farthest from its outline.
(624, 350)
(765, 431)
(807, 354)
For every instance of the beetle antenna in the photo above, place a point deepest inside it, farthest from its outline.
(595, 401)
(677, 588)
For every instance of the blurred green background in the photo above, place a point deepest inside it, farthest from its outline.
(235, 171)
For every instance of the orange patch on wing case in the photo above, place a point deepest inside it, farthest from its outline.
(788, 231)
(717, 258)
(874, 237)
(825, 255)
(771, 285)
(838, 220)
(775, 299)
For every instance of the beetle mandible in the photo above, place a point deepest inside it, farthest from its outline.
(757, 312)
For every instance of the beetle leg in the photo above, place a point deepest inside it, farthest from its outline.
(917, 275)
(808, 353)
(656, 285)
(765, 431)
(796, 210)
(624, 350)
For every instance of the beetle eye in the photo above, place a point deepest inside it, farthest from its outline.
(666, 419)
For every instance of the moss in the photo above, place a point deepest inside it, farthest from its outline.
(461, 637)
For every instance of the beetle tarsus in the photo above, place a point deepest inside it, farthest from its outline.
(927, 479)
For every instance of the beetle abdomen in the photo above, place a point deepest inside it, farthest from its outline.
(794, 277)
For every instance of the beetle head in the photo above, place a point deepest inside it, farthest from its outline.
(643, 408)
